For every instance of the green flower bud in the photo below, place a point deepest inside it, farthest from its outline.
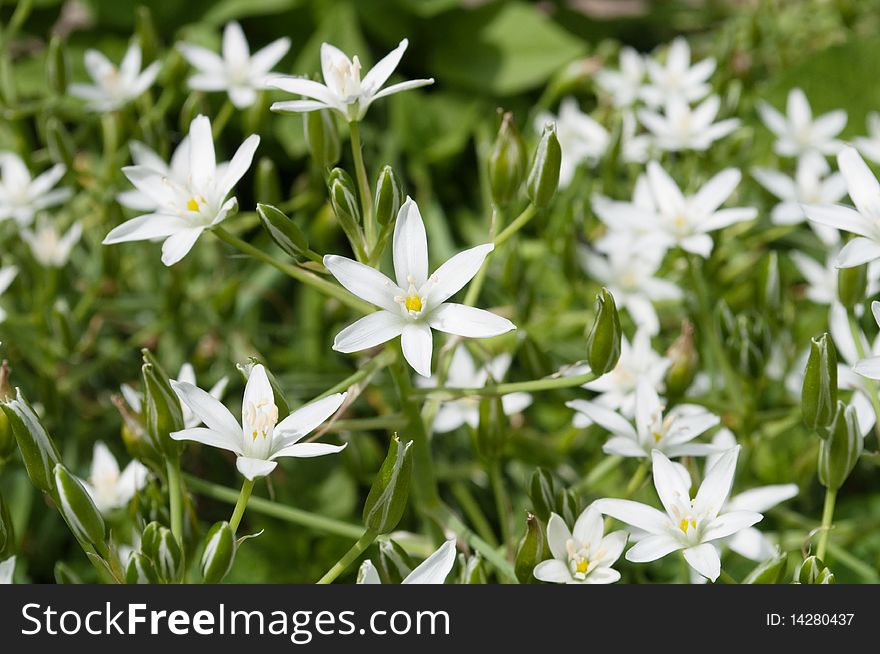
(167, 557)
(286, 234)
(852, 285)
(685, 362)
(147, 35)
(472, 570)
(344, 200)
(544, 174)
(162, 412)
(771, 571)
(769, 284)
(840, 450)
(542, 494)
(140, 570)
(57, 71)
(7, 531)
(38, 451)
(64, 575)
(389, 196)
(267, 183)
(322, 138)
(79, 510)
(531, 549)
(388, 495)
(813, 571)
(507, 162)
(819, 393)
(603, 341)
(393, 564)
(567, 506)
(219, 553)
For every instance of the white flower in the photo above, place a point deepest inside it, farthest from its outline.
(623, 86)
(432, 570)
(812, 184)
(870, 145)
(584, 555)
(797, 132)
(7, 570)
(238, 72)
(7, 274)
(343, 89)
(114, 87)
(863, 221)
(671, 434)
(822, 280)
(681, 127)
(416, 304)
(750, 542)
(629, 221)
(634, 147)
(629, 271)
(260, 439)
(21, 196)
(187, 375)
(463, 373)
(687, 221)
(49, 247)
(185, 208)
(111, 489)
(638, 363)
(692, 525)
(677, 78)
(144, 157)
(581, 139)
(852, 371)
(870, 367)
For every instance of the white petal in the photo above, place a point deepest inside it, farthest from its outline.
(307, 450)
(201, 58)
(704, 559)
(636, 514)
(209, 437)
(305, 419)
(762, 498)
(257, 392)
(410, 247)
(451, 277)
(370, 331)
(254, 468)
(239, 164)
(666, 193)
(869, 367)
(417, 343)
(104, 464)
(264, 59)
(602, 576)
(435, 568)
(402, 86)
(367, 573)
(305, 87)
(589, 527)
(145, 227)
(553, 571)
(365, 282)
(729, 523)
(235, 46)
(858, 251)
(672, 489)
(178, 245)
(380, 73)
(653, 548)
(604, 417)
(715, 488)
(211, 411)
(840, 217)
(714, 192)
(861, 183)
(203, 162)
(470, 322)
(558, 535)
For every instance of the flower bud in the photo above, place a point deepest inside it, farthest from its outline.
(472, 570)
(267, 184)
(813, 571)
(685, 362)
(393, 564)
(839, 451)
(79, 510)
(542, 494)
(771, 571)
(603, 341)
(769, 287)
(7, 531)
(147, 36)
(162, 412)
(343, 199)
(322, 138)
(286, 234)
(388, 495)
(544, 174)
(56, 66)
(819, 393)
(161, 547)
(567, 506)
(38, 451)
(531, 549)
(389, 196)
(140, 570)
(219, 553)
(507, 162)
(852, 285)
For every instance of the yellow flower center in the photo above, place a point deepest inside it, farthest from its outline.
(582, 566)
(192, 204)
(687, 524)
(413, 303)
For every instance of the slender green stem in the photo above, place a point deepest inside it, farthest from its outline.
(598, 472)
(445, 394)
(391, 422)
(275, 510)
(870, 384)
(349, 557)
(636, 481)
(246, 487)
(222, 118)
(385, 358)
(446, 517)
(370, 227)
(502, 504)
(474, 513)
(309, 278)
(175, 499)
(518, 223)
(827, 521)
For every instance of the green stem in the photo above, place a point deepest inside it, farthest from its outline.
(870, 384)
(274, 510)
(518, 223)
(385, 358)
(363, 182)
(446, 517)
(222, 118)
(349, 557)
(604, 467)
(474, 513)
(175, 499)
(637, 479)
(391, 422)
(304, 276)
(827, 521)
(502, 504)
(246, 487)
(444, 394)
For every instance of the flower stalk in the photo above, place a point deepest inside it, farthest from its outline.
(349, 557)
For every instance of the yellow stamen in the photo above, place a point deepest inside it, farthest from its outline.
(192, 204)
(582, 566)
(413, 303)
(687, 524)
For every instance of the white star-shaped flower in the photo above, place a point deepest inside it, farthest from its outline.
(676, 78)
(113, 87)
(797, 132)
(111, 489)
(50, 248)
(22, 196)
(581, 139)
(623, 86)
(682, 127)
